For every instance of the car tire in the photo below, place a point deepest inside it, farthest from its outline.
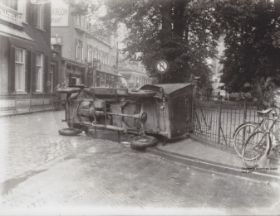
(142, 142)
(69, 131)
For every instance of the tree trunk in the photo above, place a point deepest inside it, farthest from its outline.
(166, 29)
(179, 17)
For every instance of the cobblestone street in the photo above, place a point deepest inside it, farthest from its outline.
(47, 171)
(31, 141)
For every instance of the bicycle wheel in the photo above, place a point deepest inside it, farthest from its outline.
(256, 146)
(241, 134)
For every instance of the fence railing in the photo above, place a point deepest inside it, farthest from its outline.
(215, 121)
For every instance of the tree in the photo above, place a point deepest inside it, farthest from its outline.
(183, 32)
(252, 52)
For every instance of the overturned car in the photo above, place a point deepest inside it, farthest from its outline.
(162, 110)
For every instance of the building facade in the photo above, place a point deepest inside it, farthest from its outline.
(87, 59)
(25, 53)
(134, 73)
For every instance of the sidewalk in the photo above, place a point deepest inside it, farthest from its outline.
(211, 158)
(193, 148)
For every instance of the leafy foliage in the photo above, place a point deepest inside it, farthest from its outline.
(183, 32)
(252, 52)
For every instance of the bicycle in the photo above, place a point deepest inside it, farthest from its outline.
(262, 141)
(252, 140)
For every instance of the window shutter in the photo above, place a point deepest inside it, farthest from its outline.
(45, 76)
(47, 17)
(11, 76)
(28, 71)
(29, 13)
(34, 14)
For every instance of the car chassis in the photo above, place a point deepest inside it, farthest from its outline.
(152, 109)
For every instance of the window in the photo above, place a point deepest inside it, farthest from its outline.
(39, 72)
(102, 80)
(89, 55)
(79, 50)
(80, 21)
(97, 80)
(77, 20)
(39, 16)
(10, 3)
(20, 55)
(107, 81)
(22, 8)
(95, 53)
(101, 56)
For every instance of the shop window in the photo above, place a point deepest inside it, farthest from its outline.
(20, 73)
(39, 72)
(107, 80)
(98, 80)
(113, 83)
(102, 80)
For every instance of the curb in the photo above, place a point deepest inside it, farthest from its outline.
(213, 167)
(274, 160)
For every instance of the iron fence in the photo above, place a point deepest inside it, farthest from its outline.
(215, 121)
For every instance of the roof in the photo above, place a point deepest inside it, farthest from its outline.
(172, 87)
(167, 88)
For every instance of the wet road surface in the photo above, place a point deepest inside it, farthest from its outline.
(84, 173)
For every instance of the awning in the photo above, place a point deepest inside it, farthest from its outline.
(14, 33)
(22, 43)
(70, 62)
(27, 39)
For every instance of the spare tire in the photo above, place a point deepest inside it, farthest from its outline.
(69, 131)
(142, 142)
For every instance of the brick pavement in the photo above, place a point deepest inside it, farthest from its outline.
(32, 140)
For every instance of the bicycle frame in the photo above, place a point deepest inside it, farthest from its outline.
(267, 126)
(269, 129)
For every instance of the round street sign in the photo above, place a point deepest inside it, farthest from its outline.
(162, 66)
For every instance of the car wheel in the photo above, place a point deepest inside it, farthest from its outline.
(142, 142)
(69, 131)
